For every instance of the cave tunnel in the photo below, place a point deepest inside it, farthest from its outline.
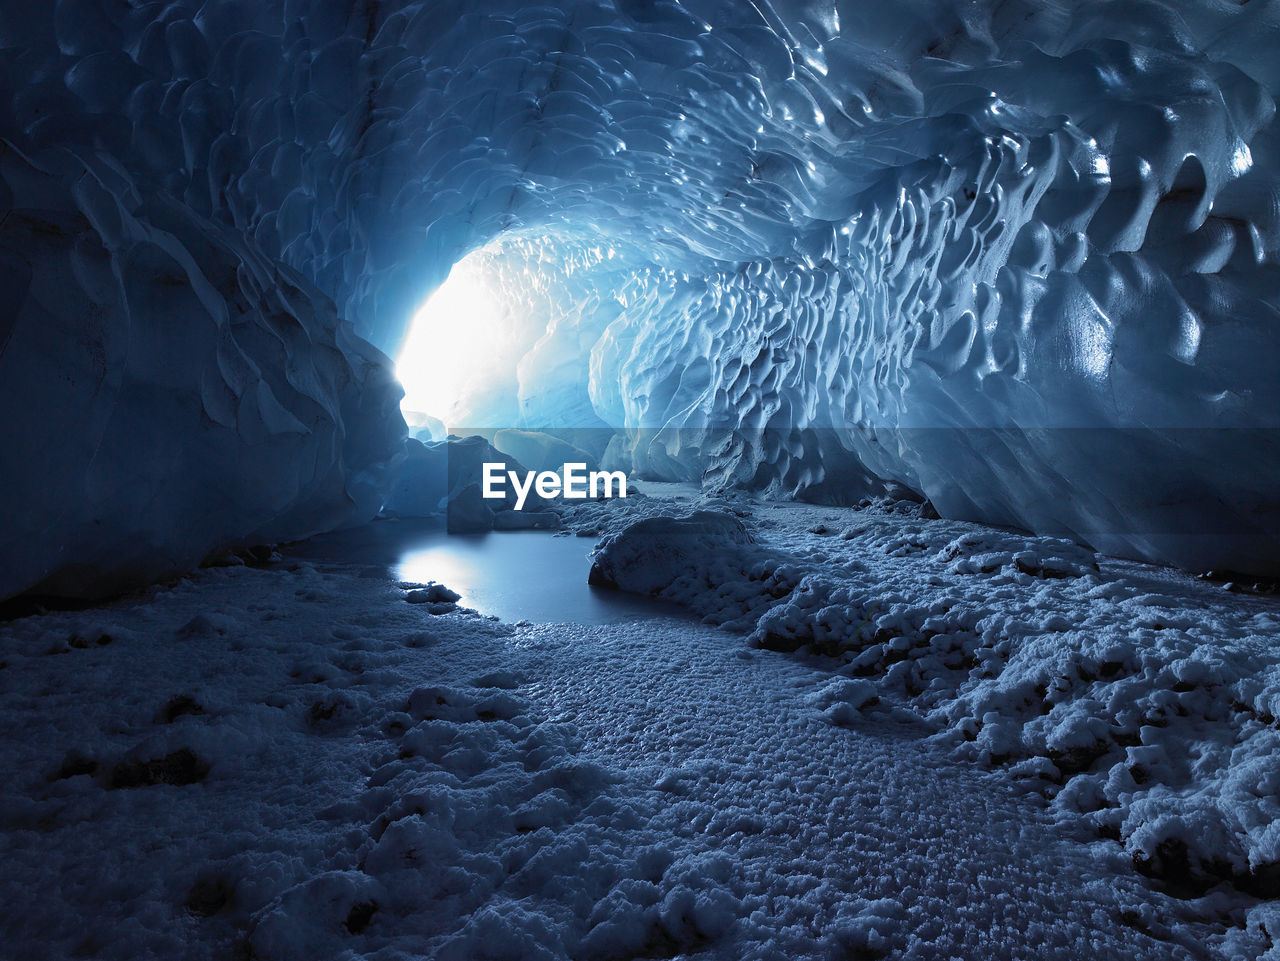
(931, 350)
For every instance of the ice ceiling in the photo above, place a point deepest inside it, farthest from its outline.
(1017, 257)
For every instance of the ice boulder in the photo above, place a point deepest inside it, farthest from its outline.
(707, 561)
(446, 478)
(648, 556)
(424, 427)
(421, 486)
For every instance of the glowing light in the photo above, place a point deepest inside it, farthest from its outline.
(1241, 160)
(449, 350)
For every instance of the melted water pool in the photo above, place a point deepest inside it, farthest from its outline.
(515, 575)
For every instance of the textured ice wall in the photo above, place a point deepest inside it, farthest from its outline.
(1053, 303)
(951, 246)
(167, 392)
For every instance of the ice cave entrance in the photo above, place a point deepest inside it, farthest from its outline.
(454, 346)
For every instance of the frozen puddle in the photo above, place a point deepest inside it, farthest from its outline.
(513, 575)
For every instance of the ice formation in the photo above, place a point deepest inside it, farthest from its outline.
(1018, 258)
(170, 392)
(446, 479)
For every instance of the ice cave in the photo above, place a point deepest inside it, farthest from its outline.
(927, 355)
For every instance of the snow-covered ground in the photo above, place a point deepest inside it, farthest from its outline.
(312, 760)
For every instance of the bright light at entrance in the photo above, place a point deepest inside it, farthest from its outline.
(450, 350)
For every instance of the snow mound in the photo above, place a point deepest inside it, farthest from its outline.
(1140, 706)
(987, 552)
(706, 561)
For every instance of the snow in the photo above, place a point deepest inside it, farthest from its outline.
(311, 758)
(1140, 708)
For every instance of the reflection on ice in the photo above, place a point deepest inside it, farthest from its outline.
(527, 575)
(521, 575)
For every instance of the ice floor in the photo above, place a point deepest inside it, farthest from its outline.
(300, 761)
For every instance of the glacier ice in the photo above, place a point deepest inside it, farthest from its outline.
(446, 479)
(170, 393)
(1017, 258)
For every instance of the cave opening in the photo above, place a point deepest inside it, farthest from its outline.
(506, 341)
(457, 347)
